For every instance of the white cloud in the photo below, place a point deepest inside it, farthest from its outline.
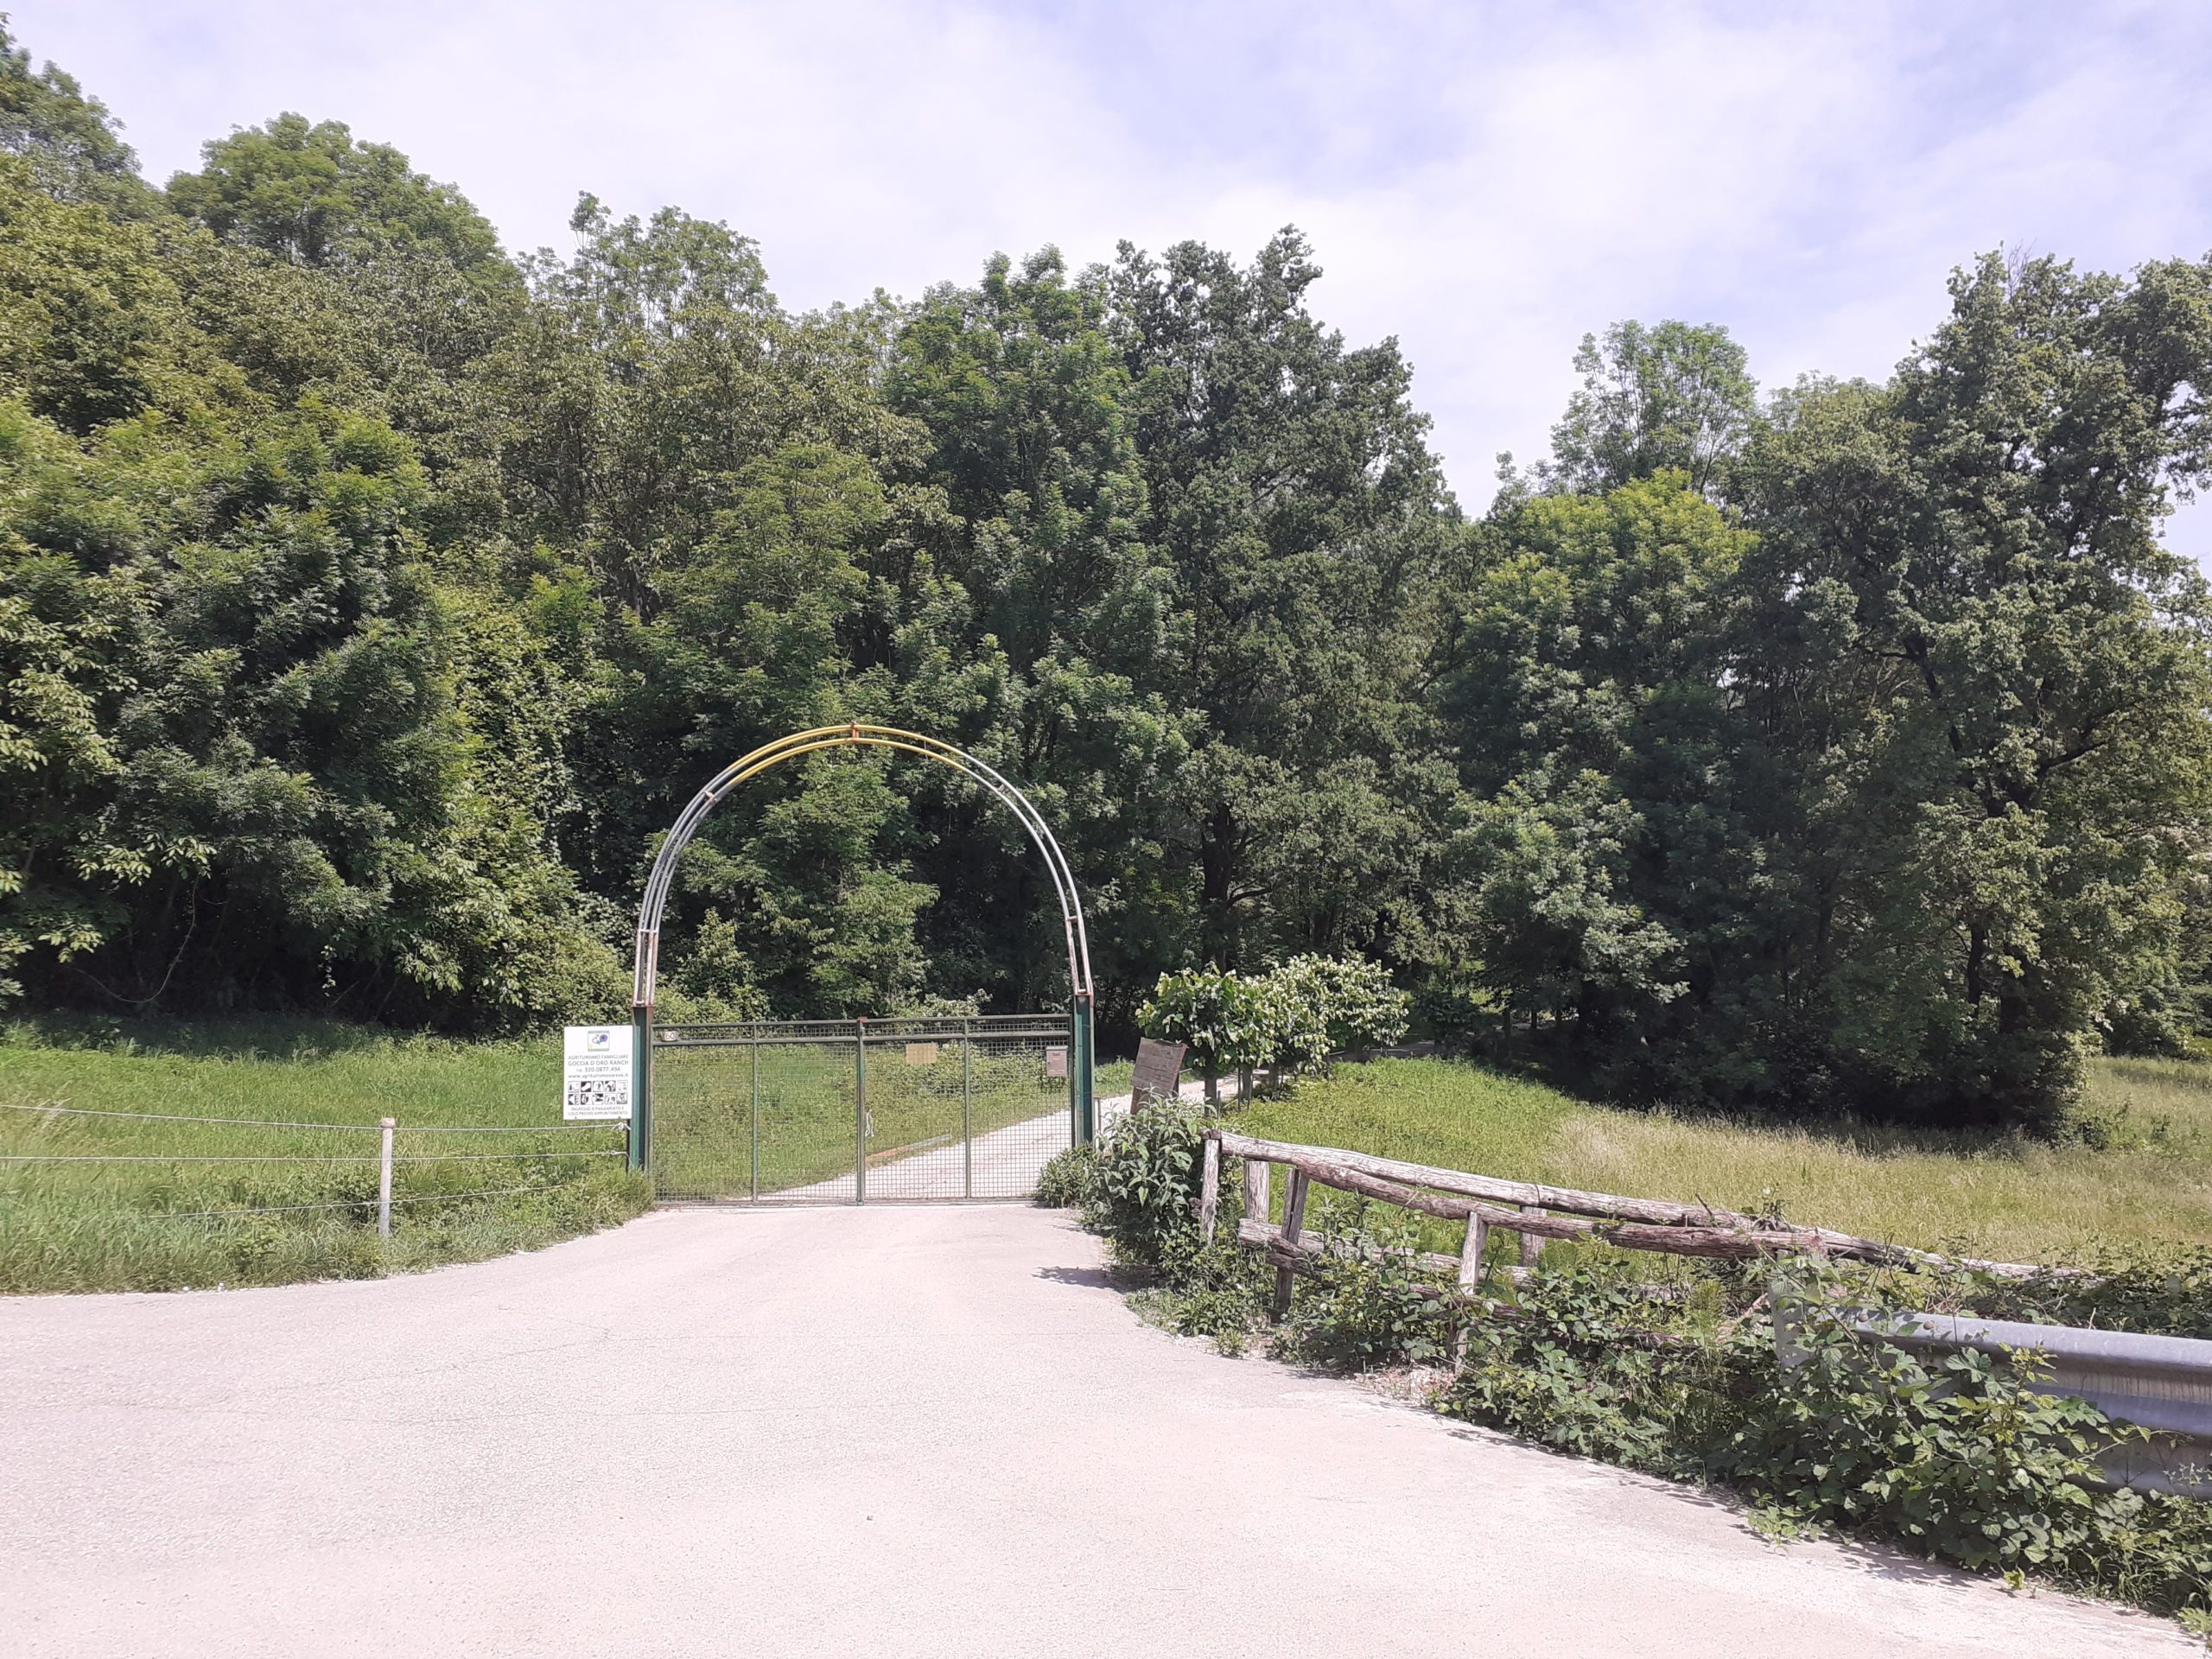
(1485, 182)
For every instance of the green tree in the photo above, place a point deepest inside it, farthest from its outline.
(72, 144)
(92, 325)
(1585, 679)
(1678, 396)
(232, 696)
(1037, 623)
(1990, 676)
(310, 193)
(1290, 489)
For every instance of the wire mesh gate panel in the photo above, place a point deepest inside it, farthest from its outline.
(859, 1111)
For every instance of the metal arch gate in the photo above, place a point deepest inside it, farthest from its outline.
(804, 1112)
(861, 1111)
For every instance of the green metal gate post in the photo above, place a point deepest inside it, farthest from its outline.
(1084, 1101)
(860, 1110)
(756, 1115)
(967, 1112)
(641, 1085)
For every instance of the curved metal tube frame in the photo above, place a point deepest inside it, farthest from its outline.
(851, 734)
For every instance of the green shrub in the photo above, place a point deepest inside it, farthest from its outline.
(2164, 1291)
(1961, 1456)
(1142, 1180)
(1295, 1016)
(1588, 1362)
(1064, 1182)
(1368, 1306)
(1218, 1290)
(1229, 1022)
(1336, 1005)
(1966, 1459)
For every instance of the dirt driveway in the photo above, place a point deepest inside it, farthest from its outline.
(884, 1432)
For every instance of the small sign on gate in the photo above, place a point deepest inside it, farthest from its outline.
(595, 1071)
(1056, 1062)
(921, 1053)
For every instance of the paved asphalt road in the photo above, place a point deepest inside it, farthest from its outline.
(888, 1431)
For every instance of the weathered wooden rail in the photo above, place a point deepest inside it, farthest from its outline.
(1535, 1212)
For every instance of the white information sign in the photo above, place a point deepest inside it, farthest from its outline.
(595, 1071)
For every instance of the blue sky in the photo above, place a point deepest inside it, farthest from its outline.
(1487, 182)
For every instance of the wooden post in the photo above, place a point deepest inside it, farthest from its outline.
(1532, 1246)
(1208, 1190)
(1255, 1189)
(1294, 1218)
(384, 1178)
(1471, 1274)
(1471, 1252)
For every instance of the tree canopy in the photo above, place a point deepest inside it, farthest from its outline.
(369, 601)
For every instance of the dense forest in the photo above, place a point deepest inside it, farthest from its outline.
(371, 598)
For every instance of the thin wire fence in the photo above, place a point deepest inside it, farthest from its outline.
(555, 1163)
(344, 1204)
(292, 1158)
(303, 1123)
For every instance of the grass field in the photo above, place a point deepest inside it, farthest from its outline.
(145, 1226)
(1974, 1193)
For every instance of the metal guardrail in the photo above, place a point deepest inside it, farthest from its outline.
(2161, 1383)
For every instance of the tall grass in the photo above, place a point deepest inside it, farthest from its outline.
(161, 1225)
(1984, 1194)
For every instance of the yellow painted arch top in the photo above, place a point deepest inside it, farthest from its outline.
(854, 734)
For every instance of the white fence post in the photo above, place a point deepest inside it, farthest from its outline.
(384, 1180)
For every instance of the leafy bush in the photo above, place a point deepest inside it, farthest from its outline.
(1964, 1457)
(2164, 1291)
(1588, 1363)
(1333, 1005)
(1961, 1456)
(1218, 1290)
(1142, 1181)
(1229, 1022)
(1368, 1306)
(1295, 1016)
(1064, 1182)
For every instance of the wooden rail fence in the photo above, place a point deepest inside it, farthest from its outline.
(1534, 1211)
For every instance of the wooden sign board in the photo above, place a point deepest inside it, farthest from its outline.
(1159, 1071)
(921, 1053)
